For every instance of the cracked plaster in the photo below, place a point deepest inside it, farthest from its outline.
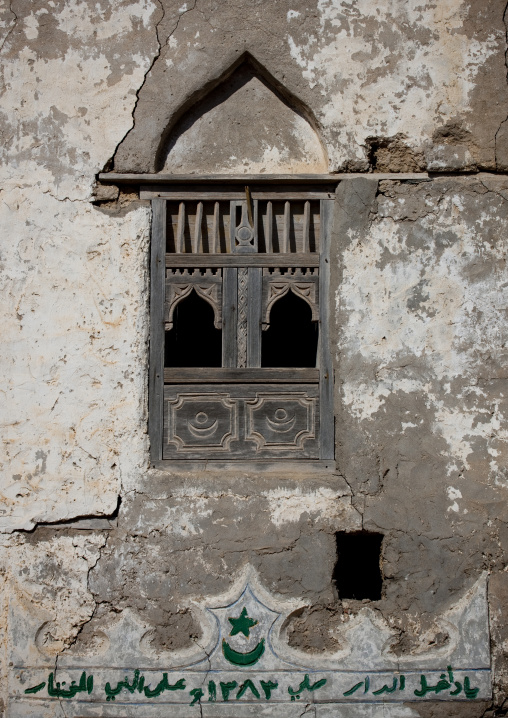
(363, 70)
(421, 318)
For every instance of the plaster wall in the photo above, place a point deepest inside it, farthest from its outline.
(419, 324)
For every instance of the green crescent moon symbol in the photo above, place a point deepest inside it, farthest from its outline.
(243, 659)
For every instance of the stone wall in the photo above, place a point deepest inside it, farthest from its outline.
(90, 532)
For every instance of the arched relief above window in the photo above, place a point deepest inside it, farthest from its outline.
(244, 125)
(304, 283)
(206, 283)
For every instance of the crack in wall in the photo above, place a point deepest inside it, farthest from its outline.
(15, 20)
(505, 21)
(111, 162)
(309, 710)
(77, 522)
(96, 604)
(206, 674)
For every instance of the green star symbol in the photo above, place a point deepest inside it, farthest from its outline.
(242, 624)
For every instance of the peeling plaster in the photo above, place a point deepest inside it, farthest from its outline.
(420, 351)
(424, 72)
(289, 506)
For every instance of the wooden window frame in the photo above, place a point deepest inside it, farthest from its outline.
(159, 260)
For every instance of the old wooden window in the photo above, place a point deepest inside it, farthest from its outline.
(239, 356)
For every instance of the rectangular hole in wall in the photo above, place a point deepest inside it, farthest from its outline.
(357, 573)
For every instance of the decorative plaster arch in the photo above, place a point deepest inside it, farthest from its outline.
(143, 148)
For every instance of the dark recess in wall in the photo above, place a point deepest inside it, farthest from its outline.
(357, 573)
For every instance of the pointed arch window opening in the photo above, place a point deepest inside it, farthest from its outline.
(193, 338)
(245, 327)
(290, 338)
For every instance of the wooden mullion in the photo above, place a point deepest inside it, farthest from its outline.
(254, 317)
(269, 227)
(180, 229)
(306, 227)
(232, 226)
(255, 206)
(327, 421)
(215, 227)
(197, 228)
(229, 316)
(287, 227)
(157, 334)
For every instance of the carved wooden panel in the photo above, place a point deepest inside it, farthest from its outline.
(207, 283)
(278, 282)
(280, 421)
(241, 421)
(219, 226)
(243, 311)
(240, 251)
(244, 231)
(201, 422)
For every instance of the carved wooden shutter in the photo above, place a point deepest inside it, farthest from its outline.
(240, 256)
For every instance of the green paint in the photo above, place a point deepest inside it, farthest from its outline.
(212, 691)
(163, 685)
(386, 689)
(226, 689)
(353, 689)
(268, 687)
(243, 659)
(138, 684)
(444, 684)
(37, 688)
(59, 690)
(250, 685)
(457, 689)
(306, 685)
(471, 693)
(111, 693)
(197, 694)
(242, 624)
(55, 690)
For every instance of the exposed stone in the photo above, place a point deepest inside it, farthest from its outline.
(392, 154)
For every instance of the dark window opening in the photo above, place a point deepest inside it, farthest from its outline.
(292, 337)
(357, 573)
(193, 341)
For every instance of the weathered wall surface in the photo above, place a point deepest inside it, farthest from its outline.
(421, 352)
(418, 289)
(427, 81)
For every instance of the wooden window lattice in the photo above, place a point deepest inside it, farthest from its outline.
(241, 260)
(280, 227)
